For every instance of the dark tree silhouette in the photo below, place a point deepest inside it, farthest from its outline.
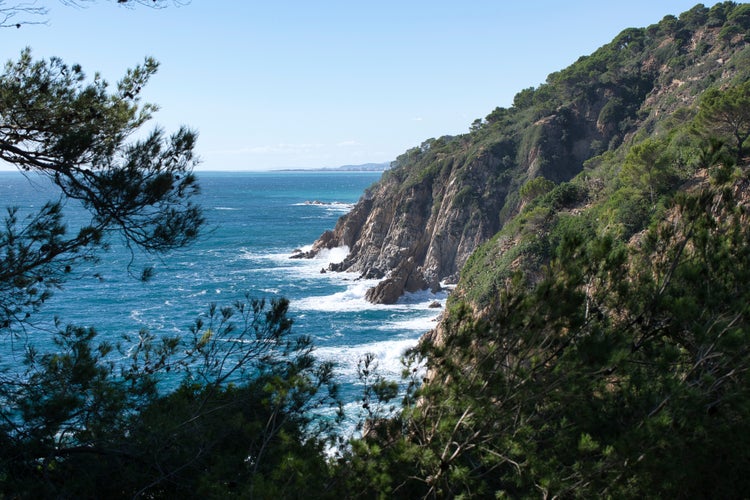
(17, 14)
(55, 123)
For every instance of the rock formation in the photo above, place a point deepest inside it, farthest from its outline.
(419, 224)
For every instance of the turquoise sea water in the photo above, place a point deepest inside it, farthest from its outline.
(254, 223)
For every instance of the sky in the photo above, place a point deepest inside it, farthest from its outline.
(300, 84)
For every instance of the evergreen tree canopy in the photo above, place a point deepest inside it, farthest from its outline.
(726, 114)
(78, 134)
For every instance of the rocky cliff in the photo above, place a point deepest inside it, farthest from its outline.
(417, 226)
(420, 223)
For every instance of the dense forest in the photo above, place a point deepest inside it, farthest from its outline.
(596, 344)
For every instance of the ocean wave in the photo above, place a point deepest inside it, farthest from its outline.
(333, 206)
(281, 257)
(424, 298)
(332, 255)
(387, 355)
(421, 324)
(350, 299)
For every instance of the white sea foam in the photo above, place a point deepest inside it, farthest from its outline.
(262, 257)
(403, 329)
(282, 259)
(340, 207)
(332, 255)
(350, 299)
(353, 298)
(421, 324)
(328, 206)
(424, 298)
(387, 354)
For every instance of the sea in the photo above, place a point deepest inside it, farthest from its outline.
(254, 222)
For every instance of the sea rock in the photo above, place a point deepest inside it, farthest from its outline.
(406, 277)
(325, 241)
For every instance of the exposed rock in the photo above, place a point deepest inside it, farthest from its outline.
(326, 241)
(420, 223)
(440, 201)
(405, 277)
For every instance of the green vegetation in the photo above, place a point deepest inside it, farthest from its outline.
(75, 424)
(725, 114)
(620, 373)
(75, 133)
(94, 419)
(597, 345)
(535, 187)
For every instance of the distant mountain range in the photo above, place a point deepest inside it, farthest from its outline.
(365, 167)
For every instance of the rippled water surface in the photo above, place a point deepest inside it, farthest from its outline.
(255, 222)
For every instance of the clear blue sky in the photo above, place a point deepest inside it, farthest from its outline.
(278, 84)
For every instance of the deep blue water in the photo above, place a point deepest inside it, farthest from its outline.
(254, 223)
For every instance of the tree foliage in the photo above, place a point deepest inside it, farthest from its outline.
(16, 14)
(599, 348)
(725, 114)
(238, 420)
(622, 371)
(227, 408)
(646, 166)
(76, 133)
(535, 187)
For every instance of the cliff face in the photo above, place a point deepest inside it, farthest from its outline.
(420, 223)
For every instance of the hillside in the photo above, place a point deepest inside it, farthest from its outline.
(441, 200)
(597, 344)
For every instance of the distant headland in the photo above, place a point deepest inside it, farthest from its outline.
(365, 167)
